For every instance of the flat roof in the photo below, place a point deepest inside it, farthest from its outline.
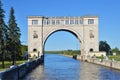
(86, 16)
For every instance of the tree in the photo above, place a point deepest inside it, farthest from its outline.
(14, 44)
(3, 30)
(116, 50)
(104, 46)
(24, 48)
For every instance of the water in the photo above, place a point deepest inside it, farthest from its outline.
(57, 67)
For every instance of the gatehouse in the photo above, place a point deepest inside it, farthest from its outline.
(85, 28)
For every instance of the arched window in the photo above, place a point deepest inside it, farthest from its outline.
(91, 50)
(34, 50)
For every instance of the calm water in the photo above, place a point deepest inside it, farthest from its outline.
(57, 67)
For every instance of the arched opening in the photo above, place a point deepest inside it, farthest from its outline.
(62, 40)
(34, 50)
(91, 50)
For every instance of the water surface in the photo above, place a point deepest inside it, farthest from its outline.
(57, 67)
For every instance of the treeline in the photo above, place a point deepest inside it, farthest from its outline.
(10, 44)
(67, 52)
(116, 50)
(104, 46)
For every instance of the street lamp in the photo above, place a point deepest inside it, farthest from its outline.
(42, 57)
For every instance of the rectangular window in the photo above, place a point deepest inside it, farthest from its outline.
(48, 22)
(34, 22)
(53, 22)
(71, 21)
(81, 21)
(57, 21)
(66, 21)
(44, 22)
(90, 21)
(76, 21)
(62, 22)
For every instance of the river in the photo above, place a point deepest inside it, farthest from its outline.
(58, 67)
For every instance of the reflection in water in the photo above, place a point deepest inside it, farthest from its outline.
(89, 71)
(57, 67)
(36, 74)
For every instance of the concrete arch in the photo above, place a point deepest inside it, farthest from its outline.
(50, 32)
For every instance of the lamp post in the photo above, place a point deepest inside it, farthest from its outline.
(42, 56)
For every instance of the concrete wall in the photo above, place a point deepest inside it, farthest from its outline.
(97, 54)
(107, 63)
(17, 72)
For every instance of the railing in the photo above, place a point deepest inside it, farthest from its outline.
(62, 20)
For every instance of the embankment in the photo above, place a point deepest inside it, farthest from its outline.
(17, 72)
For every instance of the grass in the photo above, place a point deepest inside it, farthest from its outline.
(54, 52)
(117, 58)
(9, 63)
(100, 58)
(111, 57)
(72, 53)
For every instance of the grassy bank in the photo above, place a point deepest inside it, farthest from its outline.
(111, 57)
(116, 58)
(67, 52)
(9, 63)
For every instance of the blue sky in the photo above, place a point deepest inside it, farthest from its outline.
(107, 10)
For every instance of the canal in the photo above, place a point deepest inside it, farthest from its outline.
(57, 67)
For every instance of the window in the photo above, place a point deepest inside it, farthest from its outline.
(34, 22)
(90, 21)
(48, 22)
(44, 22)
(81, 21)
(57, 22)
(66, 21)
(53, 22)
(71, 21)
(62, 22)
(76, 21)
(91, 34)
(35, 35)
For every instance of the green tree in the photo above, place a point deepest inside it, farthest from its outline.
(24, 48)
(3, 30)
(14, 44)
(104, 46)
(116, 50)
